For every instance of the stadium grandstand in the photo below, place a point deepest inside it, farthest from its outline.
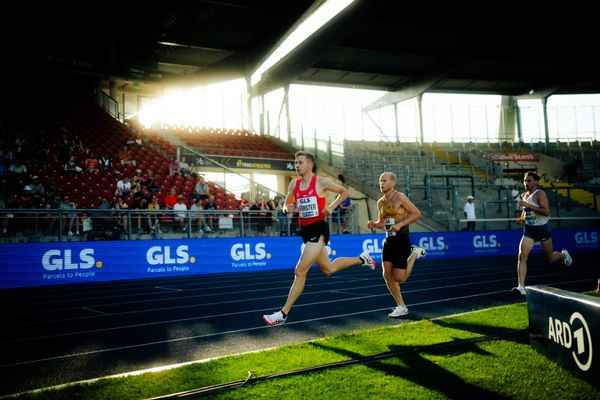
(160, 142)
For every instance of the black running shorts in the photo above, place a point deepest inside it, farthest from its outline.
(396, 249)
(538, 233)
(312, 232)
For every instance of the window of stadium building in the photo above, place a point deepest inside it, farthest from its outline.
(319, 116)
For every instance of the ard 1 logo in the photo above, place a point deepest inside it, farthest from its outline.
(57, 260)
(574, 334)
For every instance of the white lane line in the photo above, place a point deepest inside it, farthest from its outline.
(307, 292)
(196, 337)
(313, 283)
(426, 271)
(167, 288)
(319, 303)
(94, 311)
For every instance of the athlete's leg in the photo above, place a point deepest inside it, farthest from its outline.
(410, 262)
(331, 267)
(310, 253)
(524, 249)
(392, 276)
(551, 256)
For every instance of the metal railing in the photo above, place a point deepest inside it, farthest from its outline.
(58, 225)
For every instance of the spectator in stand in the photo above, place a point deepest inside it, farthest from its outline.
(154, 216)
(180, 215)
(469, 213)
(50, 191)
(123, 187)
(122, 216)
(26, 199)
(281, 216)
(105, 163)
(17, 167)
(171, 199)
(137, 179)
(141, 199)
(258, 217)
(7, 154)
(174, 167)
(270, 217)
(244, 206)
(184, 167)
(73, 218)
(200, 188)
(71, 168)
(54, 203)
(37, 192)
(125, 156)
(150, 182)
(211, 217)
(91, 163)
(197, 216)
(137, 140)
(86, 152)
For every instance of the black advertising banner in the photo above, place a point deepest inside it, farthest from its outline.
(256, 163)
(565, 327)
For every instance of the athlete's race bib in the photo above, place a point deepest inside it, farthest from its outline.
(389, 221)
(530, 218)
(307, 207)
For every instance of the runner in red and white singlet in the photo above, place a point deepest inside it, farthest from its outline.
(309, 193)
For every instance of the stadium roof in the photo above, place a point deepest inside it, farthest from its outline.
(516, 48)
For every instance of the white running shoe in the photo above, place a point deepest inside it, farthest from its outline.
(367, 260)
(398, 312)
(567, 258)
(518, 291)
(274, 319)
(417, 251)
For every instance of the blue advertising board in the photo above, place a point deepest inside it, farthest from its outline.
(39, 264)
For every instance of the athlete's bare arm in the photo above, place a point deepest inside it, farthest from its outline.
(325, 185)
(290, 199)
(379, 224)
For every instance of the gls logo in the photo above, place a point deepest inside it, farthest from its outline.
(428, 243)
(586, 237)
(563, 334)
(485, 242)
(54, 260)
(243, 251)
(372, 245)
(160, 255)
